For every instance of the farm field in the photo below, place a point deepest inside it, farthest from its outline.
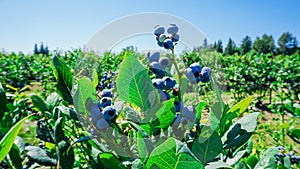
(203, 108)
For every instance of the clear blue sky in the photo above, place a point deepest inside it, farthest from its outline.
(67, 24)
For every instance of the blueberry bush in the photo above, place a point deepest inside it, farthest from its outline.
(153, 110)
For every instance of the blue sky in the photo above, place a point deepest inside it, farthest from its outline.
(68, 24)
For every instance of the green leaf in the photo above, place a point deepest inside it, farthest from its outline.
(165, 115)
(40, 156)
(110, 161)
(207, 146)
(8, 140)
(64, 78)
(172, 154)
(217, 164)
(65, 154)
(84, 96)
(267, 160)
(236, 158)
(2, 102)
(142, 147)
(199, 109)
(14, 155)
(95, 78)
(251, 161)
(184, 85)
(134, 84)
(295, 133)
(241, 131)
(52, 100)
(40, 104)
(238, 109)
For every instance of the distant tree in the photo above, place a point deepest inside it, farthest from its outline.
(36, 50)
(264, 45)
(218, 46)
(230, 48)
(43, 50)
(246, 45)
(205, 43)
(287, 44)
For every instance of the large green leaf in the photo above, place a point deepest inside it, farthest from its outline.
(240, 131)
(172, 154)
(95, 78)
(267, 160)
(165, 115)
(40, 156)
(84, 96)
(237, 110)
(2, 102)
(134, 84)
(39, 104)
(207, 146)
(8, 140)
(14, 155)
(110, 161)
(64, 78)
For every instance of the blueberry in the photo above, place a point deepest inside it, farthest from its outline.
(159, 73)
(158, 84)
(160, 44)
(175, 38)
(153, 55)
(280, 148)
(168, 44)
(158, 30)
(189, 74)
(102, 124)
(175, 90)
(172, 29)
(189, 113)
(165, 62)
(155, 65)
(193, 73)
(196, 69)
(205, 75)
(292, 153)
(177, 105)
(169, 82)
(162, 37)
(106, 93)
(164, 95)
(109, 85)
(109, 112)
(105, 101)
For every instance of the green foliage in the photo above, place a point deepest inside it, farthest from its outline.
(264, 45)
(134, 84)
(8, 140)
(64, 79)
(287, 44)
(172, 154)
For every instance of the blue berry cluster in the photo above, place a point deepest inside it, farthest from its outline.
(279, 158)
(107, 81)
(164, 40)
(158, 64)
(103, 113)
(195, 73)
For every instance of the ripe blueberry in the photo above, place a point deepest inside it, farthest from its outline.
(172, 29)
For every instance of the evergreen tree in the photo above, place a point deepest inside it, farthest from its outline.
(287, 44)
(230, 48)
(246, 45)
(36, 50)
(264, 45)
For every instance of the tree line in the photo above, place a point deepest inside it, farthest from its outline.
(287, 44)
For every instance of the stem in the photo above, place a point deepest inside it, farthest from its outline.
(178, 72)
(282, 121)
